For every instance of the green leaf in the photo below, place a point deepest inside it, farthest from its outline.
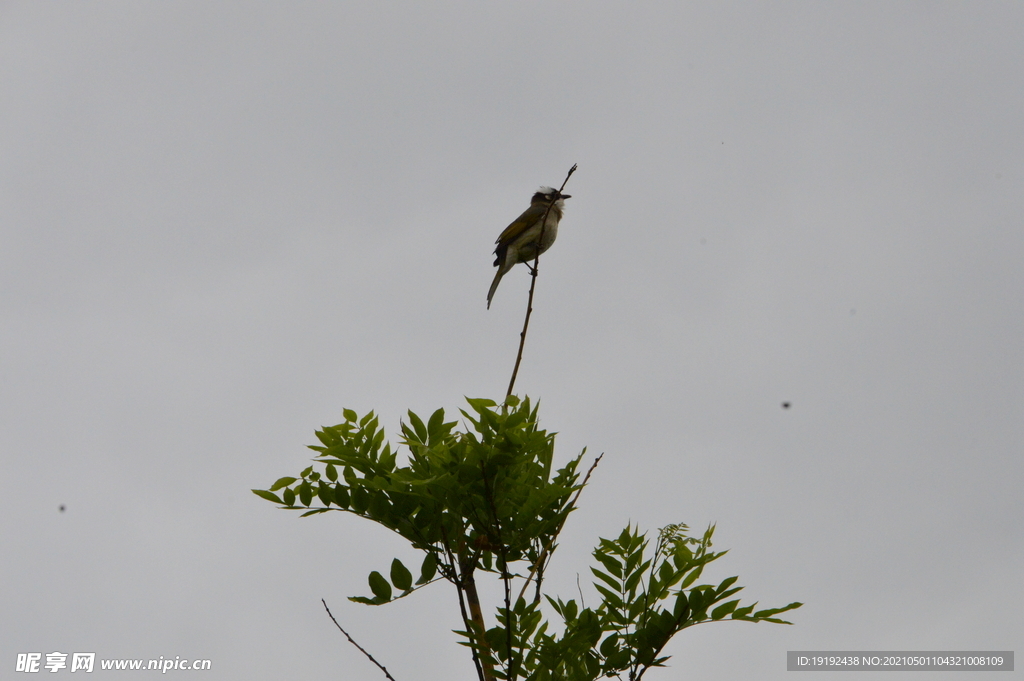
(341, 496)
(610, 645)
(332, 472)
(569, 611)
(682, 607)
(325, 493)
(624, 537)
(635, 578)
(289, 496)
(482, 405)
(617, 661)
(350, 416)
(775, 611)
(633, 560)
(428, 569)
(613, 565)
(281, 482)
(682, 556)
(360, 500)
(726, 583)
(435, 423)
(726, 594)
(665, 573)
(305, 493)
(636, 607)
(269, 496)
(496, 641)
(379, 586)
(698, 602)
(611, 581)
(723, 610)
(611, 598)
(740, 613)
(400, 575)
(692, 577)
(379, 506)
(417, 424)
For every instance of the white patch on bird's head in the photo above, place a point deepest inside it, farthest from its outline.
(546, 194)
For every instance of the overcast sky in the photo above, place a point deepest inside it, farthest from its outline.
(223, 223)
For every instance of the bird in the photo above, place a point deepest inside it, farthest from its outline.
(522, 241)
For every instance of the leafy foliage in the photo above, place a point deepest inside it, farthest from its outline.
(486, 500)
(470, 500)
(645, 603)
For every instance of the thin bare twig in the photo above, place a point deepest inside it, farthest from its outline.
(352, 641)
(533, 285)
(547, 549)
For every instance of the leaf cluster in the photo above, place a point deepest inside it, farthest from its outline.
(486, 499)
(476, 500)
(646, 600)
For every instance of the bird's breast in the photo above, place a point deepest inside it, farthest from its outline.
(526, 248)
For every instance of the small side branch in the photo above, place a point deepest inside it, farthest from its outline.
(537, 569)
(533, 285)
(352, 641)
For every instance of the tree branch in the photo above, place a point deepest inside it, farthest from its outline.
(545, 551)
(479, 628)
(352, 641)
(459, 587)
(533, 285)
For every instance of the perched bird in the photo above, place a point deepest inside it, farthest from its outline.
(521, 241)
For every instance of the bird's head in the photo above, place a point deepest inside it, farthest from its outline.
(546, 195)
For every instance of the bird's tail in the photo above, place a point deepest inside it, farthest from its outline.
(494, 285)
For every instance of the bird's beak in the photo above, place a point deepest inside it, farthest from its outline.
(565, 196)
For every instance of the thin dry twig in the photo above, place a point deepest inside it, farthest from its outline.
(533, 285)
(352, 641)
(547, 549)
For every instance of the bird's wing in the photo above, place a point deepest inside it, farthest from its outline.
(529, 217)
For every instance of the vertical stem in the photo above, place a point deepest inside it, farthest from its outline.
(526, 322)
(476, 616)
(458, 581)
(506, 578)
(469, 627)
(533, 285)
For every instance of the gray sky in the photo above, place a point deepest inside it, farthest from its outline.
(221, 224)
